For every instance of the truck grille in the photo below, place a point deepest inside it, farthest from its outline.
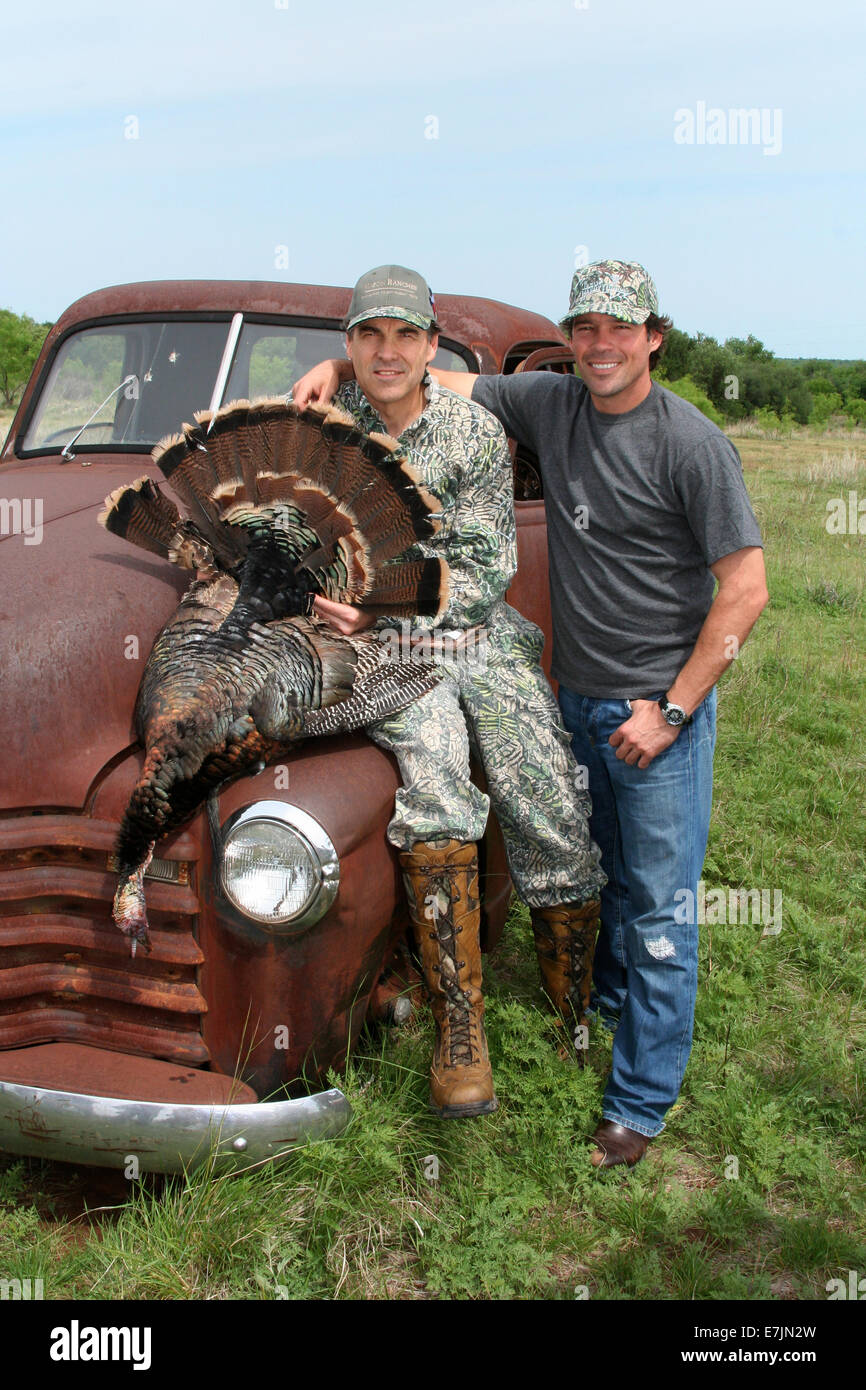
(66, 974)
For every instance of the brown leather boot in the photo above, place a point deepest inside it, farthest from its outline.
(444, 908)
(565, 938)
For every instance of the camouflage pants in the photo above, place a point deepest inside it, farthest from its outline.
(516, 730)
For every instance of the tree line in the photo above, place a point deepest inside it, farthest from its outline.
(740, 378)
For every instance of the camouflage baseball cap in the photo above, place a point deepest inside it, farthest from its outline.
(623, 289)
(392, 292)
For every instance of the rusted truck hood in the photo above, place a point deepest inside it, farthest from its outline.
(78, 615)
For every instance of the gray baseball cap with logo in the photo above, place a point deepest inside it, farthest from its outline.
(623, 289)
(392, 292)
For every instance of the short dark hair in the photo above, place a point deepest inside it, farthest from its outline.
(658, 323)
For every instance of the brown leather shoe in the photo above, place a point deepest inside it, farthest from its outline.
(615, 1144)
(444, 908)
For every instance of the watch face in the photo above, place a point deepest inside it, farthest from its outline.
(672, 714)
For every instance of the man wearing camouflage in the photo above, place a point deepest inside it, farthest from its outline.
(492, 658)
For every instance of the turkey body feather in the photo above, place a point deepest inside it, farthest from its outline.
(282, 505)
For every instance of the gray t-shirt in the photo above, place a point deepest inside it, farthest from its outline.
(638, 506)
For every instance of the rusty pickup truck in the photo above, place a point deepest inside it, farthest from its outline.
(218, 1042)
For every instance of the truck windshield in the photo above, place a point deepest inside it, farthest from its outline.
(172, 366)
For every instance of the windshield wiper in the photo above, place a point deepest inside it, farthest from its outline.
(66, 451)
(225, 365)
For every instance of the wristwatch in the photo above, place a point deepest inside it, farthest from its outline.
(674, 715)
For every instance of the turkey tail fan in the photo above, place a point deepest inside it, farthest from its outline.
(141, 514)
(339, 503)
(252, 447)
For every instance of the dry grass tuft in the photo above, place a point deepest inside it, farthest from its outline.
(837, 468)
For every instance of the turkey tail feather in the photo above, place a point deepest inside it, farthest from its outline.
(191, 473)
(421, 584)
(141, 514)
(376, 694)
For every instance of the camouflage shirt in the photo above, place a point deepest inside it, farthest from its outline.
(459, 448)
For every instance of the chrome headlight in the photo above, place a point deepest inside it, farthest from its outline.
(279, 867)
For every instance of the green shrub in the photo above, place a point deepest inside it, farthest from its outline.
(690, 391)
(825, 404)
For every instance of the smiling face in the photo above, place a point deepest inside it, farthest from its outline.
(613, 360)
(390, 358)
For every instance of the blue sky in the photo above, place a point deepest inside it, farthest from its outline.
(489, 145)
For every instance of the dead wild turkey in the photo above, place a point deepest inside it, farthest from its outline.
(282, 505)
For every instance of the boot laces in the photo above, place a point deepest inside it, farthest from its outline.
(462, 1044)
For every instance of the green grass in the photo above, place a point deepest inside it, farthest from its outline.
(755, 1190)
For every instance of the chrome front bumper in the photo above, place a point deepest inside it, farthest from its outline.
(156, 1137)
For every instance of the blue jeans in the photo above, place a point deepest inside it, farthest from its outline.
(651, 825)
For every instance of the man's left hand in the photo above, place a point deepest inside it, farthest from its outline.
(342, 616)
(642, 737)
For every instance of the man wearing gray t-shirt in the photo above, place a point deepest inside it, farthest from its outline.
(646, 510)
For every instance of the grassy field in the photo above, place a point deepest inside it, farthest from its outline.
(756, 1188)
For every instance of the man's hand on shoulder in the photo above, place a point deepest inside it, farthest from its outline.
(342, 616)
(643, 736)
(320, 383)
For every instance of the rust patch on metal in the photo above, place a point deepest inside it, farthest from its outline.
(32, 1125)
(97, 1072)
